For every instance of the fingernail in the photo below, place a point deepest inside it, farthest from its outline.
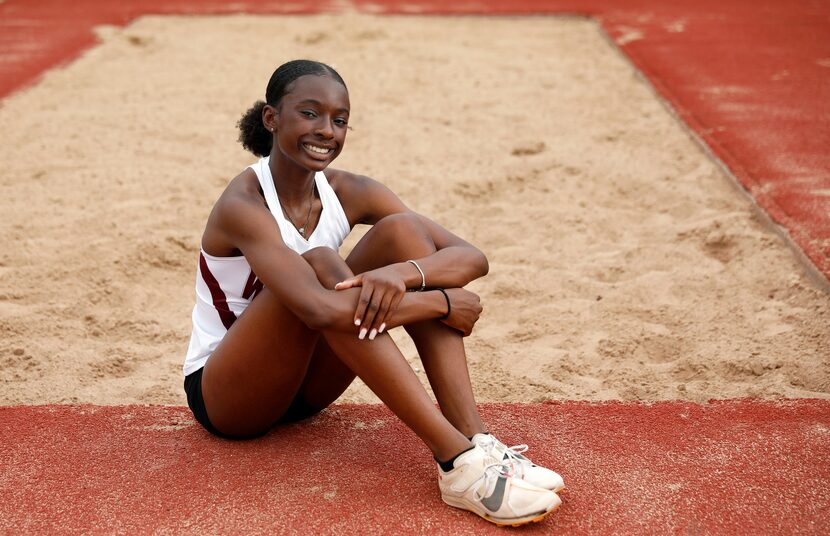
(357, 322)
(362, 334)
(373, 334)
(382, 327)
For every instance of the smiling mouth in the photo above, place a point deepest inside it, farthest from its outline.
(316, 149)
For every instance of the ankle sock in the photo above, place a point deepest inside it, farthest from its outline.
(472, 436)
(448, 465)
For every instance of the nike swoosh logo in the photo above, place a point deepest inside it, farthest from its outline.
(493, 502)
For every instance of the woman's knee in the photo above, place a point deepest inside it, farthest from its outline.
(403, 222)
(404, 230)
(328, 265)
(395, 238)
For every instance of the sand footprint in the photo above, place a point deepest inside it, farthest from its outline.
(649, 348)
(18, 364)
(118, 366)
(528, 148)
(313, 38)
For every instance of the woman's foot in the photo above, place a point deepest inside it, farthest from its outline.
(520, 466)
(482, 485)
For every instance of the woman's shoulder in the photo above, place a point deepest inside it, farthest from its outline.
(351, 187)
(244, 186)
(347, 184)
(241, 193)
(340, 178)
(241, 206)
(364, 199)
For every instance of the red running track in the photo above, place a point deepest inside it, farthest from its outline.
(750, 77)
(727, 467)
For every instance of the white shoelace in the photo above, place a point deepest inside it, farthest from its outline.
(514, 461)
(514, 452)
(489, 476)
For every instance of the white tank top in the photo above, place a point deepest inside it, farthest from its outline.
(226, 285)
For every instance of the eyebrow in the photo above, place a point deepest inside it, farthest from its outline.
(318, 103)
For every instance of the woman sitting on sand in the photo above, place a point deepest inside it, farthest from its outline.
(282, 324)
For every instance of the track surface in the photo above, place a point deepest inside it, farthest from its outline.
(729, 467)
(750, 77)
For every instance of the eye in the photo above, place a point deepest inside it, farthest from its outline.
(309, 113)
(341, 122)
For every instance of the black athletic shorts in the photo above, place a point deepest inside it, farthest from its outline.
(193, 389)
(297, 411)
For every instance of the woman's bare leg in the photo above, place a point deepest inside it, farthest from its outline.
(384, 370)
(442, 353)
(326, 379)
(252, 378)
(441, 348)
(327, 376)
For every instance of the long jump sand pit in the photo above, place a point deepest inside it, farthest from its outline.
(624, 265)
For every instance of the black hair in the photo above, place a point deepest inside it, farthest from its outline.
(252, 133)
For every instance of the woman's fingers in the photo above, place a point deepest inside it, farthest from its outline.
(380, 295)
(362, 312)
(355, 281)
(368, 325)
(380, 317)
(393, 306)
(466, 310)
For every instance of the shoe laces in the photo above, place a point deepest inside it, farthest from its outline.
(492, 471)
(515, 452)
(518, 462)
(511, 456)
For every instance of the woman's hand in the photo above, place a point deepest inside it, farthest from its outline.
(465, 308)
(381, 292)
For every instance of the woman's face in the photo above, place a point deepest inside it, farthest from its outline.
(311, 121)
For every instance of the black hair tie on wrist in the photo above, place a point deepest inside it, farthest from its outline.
(446, 297)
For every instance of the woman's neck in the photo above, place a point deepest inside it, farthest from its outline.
(292, 182)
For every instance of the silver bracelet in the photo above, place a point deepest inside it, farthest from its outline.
(423, 279)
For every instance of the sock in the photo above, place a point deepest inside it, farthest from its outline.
(448, 465)
(471, 437)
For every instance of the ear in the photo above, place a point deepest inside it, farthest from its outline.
(269, 117)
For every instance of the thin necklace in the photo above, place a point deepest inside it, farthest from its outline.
(302, 229)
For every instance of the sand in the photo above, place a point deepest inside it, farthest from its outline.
(624, 263)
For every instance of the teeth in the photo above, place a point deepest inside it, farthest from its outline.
(315, 149)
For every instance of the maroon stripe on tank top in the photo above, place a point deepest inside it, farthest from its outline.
(252, 287)
(220, 301)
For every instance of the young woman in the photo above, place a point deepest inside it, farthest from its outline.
(282, 324)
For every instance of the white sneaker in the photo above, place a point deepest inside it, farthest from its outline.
(519, 465)
(480, 484)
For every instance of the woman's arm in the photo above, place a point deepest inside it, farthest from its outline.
(250, 227)
(414, 307)
(453, 265)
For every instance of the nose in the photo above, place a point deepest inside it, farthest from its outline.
(324, 128)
